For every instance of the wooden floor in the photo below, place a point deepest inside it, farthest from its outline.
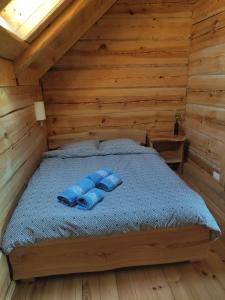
(183, 281)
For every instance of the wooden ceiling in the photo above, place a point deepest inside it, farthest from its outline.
(32, 59)
(35, 56)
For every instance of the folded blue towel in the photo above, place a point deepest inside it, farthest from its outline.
(98, 175)
(109, 183)
(90, 199)
(72, 193)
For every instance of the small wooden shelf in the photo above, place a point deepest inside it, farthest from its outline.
(174, 138)
(171, 157)
(170, 148)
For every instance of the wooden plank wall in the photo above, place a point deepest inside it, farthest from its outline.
(205, 109)
(130, 70)
(21, 143)
(206, 88)
(213, 194)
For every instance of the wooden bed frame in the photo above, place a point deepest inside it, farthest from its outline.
(90, 254)
(106, 253)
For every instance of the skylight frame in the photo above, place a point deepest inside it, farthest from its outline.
(34, 23)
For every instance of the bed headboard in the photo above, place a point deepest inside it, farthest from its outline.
(99, 134)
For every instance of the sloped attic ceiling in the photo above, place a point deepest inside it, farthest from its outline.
(34, 58)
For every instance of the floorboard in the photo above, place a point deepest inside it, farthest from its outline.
(204, 280)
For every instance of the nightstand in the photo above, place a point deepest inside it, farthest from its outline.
(171, 148)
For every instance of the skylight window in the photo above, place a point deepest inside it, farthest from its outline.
(24, 17)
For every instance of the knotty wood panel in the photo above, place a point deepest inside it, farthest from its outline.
(118, 77)
(17, 97)
(138, 29)
(205, 119)
(21, 143)
(209, 32)
(133, 52)
(20, 135)
(206, 9)
(13, 188)
(155, 9)
(212, 192)
(129, 70)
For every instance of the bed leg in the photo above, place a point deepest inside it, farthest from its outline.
(28, 280)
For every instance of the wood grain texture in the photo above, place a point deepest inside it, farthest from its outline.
(21, 143)
(11, 46)
(7, 76)
(154, 9)
(205, 118)
(128, 71)
(102, 134)
(52, 43)
(90, 254)
(212, 192)
(15, 98)
(11, 190)
(187, 281)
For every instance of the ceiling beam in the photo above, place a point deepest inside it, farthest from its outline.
(51, 45)
(10, 45)
(3, 3)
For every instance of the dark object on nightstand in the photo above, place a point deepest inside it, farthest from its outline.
(176, 125)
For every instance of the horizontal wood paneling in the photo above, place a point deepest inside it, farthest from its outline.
(132, 52)
(17, 97)
(16, 155)
(112, 119)
(140, 29)
(212, 192)
(208, 119)
(205, 118)
(154, 9)
(210, 31)
(13, 188)
(96, 108)
(119, 95)
(205, 9)
(206, 97)
(118, 77)
(21, 143)
(129, 70)
(14, 126)
(208, 61)
(207, 148)
(20, 135)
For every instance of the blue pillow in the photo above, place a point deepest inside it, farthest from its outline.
(118, 144)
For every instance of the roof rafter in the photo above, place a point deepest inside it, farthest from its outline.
(11, 46)
(43, 52)
(3, 3)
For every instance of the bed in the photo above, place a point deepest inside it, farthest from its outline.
(152, 218)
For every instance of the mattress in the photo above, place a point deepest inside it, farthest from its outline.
(151, 196)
